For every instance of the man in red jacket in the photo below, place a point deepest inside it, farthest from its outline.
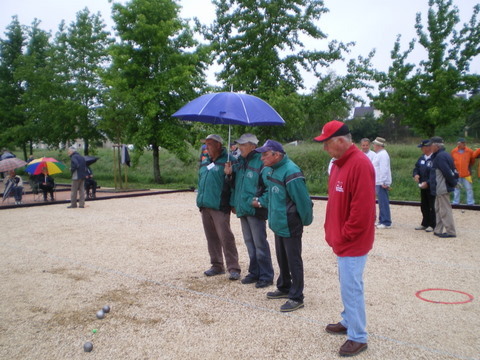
(349, 229)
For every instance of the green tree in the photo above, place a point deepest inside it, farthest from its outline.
(423, 96)
(81, 55)
(34, 75)
(334, 96)
(11, 90)
(157, 67)
(259, 45)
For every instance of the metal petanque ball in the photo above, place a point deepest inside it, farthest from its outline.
(100, 314)
(106, 309)
(88, 346)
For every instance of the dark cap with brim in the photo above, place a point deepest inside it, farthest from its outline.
(270, 145)
(332, 129)
(436, 140)
(424, 143)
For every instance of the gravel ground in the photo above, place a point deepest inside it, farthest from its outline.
(145, 258)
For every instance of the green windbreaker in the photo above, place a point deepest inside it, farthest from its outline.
(248, 184)
(213, 190)
(290, 207)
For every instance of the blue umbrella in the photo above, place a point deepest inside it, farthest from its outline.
(231, 109)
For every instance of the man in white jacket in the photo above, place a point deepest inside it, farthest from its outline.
(383, 180)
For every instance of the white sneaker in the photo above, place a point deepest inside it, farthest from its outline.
(429, 229)
(383, 226)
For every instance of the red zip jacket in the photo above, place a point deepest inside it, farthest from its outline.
(350, 217)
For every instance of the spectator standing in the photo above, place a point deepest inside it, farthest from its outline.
(213, 200)
(443, 179)
(349, 229)
(289, 210)
(421, 175)
(78, 168)
(250, 200)
(365, 146)
(383, 181)
(463, 159)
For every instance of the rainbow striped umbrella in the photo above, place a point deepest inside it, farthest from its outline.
(53, 166)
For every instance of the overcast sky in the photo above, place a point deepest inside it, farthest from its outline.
(369, 23)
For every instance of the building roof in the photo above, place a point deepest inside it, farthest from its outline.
(362, 111)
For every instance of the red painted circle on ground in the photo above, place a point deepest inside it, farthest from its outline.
(470, 297)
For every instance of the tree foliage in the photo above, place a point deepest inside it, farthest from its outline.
(157, 67)
(259, 45)
(79, 59)
(11, 90)
(424, 96)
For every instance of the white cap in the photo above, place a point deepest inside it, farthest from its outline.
(247, 138)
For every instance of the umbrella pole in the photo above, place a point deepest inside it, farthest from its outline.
(228, 146)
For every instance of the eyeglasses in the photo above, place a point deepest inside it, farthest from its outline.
(268, 153)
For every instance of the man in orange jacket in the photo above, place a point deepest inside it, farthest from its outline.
(463, 159)
(476, 154)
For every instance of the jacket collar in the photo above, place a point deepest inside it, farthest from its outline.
(351, 150)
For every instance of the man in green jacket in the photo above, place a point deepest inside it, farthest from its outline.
(249, 199)
(213, 200)
(289, 210)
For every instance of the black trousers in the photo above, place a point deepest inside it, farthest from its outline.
(46, 189)
(289, 258)
(427, 205)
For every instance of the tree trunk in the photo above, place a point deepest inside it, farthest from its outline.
(24, 146)
(156, 164)
(85, 148)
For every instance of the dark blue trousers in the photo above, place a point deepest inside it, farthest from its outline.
(289, 258)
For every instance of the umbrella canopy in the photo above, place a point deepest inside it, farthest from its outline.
(11, 164)
(89, 160)
(230, 108)
(53, 166)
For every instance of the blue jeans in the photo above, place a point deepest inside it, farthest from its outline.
(350, 273)
(468, 188)
(383, 206)
(17, 193)
(255, 236)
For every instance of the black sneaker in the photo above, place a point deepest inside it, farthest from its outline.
(234, 275)
(249, 280)
(277, 294)
(291, 305)
(263, 284)
(213, 272)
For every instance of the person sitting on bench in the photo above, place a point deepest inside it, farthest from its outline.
(90, 184)
(46, 184)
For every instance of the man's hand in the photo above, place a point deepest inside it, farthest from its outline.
(228, 168)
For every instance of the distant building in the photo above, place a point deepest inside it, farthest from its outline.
(362, 111)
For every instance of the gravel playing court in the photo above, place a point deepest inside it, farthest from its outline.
(145, 257)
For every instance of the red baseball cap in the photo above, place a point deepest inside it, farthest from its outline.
(331, 129)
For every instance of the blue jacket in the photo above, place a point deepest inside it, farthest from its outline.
(213, 189)
(289, 204)
(78, 166)
(445, 179)
(422, 168)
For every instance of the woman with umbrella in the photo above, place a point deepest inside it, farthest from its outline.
(13, 184)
